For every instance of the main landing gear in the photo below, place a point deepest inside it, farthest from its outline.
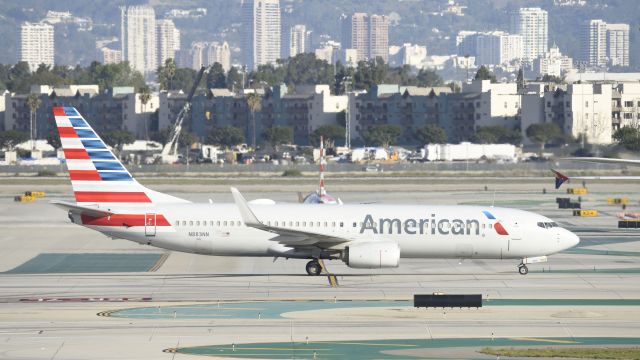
(314, 268)
(523, 269)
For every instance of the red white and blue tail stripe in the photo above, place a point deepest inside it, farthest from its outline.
(97, 176)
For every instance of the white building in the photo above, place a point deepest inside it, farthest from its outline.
(595, 43)
(323, 107)
(498, 104)
(408, 54)
(36, 44)
(618, 44)
(532, 25)
(111, 56)
(552, 63)
(219, 53)
(626, 105)
(261, 28)
(579, 109)
(497, 47)
(138, 38)
(299, 40)
(167, 40)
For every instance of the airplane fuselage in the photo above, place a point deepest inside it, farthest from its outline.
(421, 231)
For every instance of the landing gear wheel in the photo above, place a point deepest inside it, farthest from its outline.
(523, 269)
(314, 268)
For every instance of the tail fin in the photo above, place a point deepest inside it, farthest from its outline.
(97, 176)
(322, 191)
(560, 178)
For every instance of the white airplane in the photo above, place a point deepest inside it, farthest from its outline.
(111, 201)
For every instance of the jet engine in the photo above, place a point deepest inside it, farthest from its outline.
(372, 255)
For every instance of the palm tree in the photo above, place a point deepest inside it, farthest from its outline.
(254, 102)
(145, 96)
(169, 72)
(34, 103)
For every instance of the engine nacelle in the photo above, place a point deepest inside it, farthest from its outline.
(372, 255)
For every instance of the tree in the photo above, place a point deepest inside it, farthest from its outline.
(278, 135)
(520, 80)
(629, 137)
(53, 139)
(234, 79)
(429, 78)
(118, 138)
(382, 135)
(330, 133)
(9, 139)
(370, 73)
(166, 73)
(484, 74)
(544, 133)
(145, 97)
(431, 134)
(497, 134)
(226, 136)
(34, 103)
(254, 103)
(216, 78)
(161, 136)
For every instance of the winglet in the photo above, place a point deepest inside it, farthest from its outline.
(560, 178)
(247, 215)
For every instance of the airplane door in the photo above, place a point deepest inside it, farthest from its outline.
(515, 237)
(150, 224)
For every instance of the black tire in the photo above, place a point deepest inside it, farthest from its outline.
(314, 268)
(523, 270)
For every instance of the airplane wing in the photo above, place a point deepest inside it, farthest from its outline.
(80, 209)
(286, 236)
(605, 160)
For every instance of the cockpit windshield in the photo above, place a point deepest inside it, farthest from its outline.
(547, 225)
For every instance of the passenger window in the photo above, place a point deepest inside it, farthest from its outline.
(318, 224)
(190, 222)
(490, 226)
(326, 224)
(275, 224)
(297, 223)
(239, 223)
(184, 223)
(224, 223)
(269, 223)
(290, 223)
(333, 224)
(198, 223)
(304, 223)
(211, 223)
(341, 224)
(354, 224)
(177, 222)
(218, 223)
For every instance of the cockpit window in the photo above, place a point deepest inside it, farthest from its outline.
(547, 225)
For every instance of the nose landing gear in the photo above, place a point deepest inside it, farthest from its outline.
(314, 268)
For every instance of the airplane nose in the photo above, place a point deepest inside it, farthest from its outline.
(569, 239)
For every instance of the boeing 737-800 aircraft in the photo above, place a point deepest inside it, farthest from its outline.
(111, 201)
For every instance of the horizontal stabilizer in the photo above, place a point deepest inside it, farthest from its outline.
(80, 209)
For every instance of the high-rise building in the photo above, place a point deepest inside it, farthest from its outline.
(595, 43)
(219, 53)
(498, 47)
(618, 44)
(166, 36)
(606, 44)
(138, 38)
(379, 37)
(299, 40)
(36, 44)
(552, 63)
(532, 25)
(369, 35)
(261, 40)
(355, 34)
(111, 56)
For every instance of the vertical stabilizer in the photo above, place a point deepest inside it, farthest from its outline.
(97, 176)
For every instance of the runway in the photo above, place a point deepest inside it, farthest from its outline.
(587, 295)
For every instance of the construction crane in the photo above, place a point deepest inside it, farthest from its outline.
(169, 154)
